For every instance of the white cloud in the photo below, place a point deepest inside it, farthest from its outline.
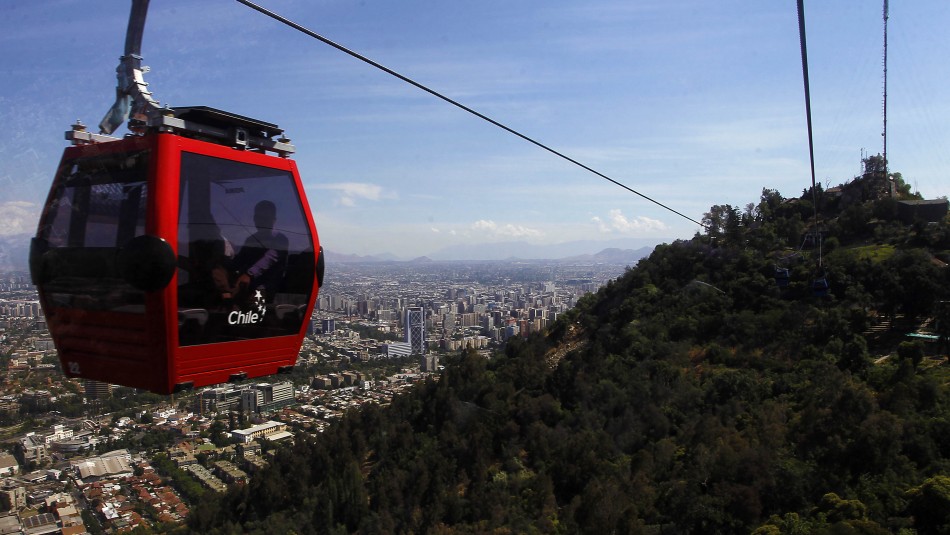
(351, 192)
(491, 228)
(18, 217)
(435, 230)
(486, 225)
(619, 223)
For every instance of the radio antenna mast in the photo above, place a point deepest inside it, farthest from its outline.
(884, 134)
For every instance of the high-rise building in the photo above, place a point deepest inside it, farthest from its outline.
(488, 323)
(220, 399)
(251, 399)
(429, 363)
(97, 390)
(267, 397)
(448, 322)
(415, 325)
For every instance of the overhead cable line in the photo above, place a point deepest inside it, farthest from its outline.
(457, 104)
(811, 143)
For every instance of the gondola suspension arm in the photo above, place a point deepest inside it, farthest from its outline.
(134, 103)
(132, 97)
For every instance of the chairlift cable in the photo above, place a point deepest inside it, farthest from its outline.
(459, 105)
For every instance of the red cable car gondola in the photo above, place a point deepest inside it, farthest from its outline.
(182, 256)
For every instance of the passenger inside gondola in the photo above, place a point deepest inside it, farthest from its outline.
(209, 284)
(261, 262)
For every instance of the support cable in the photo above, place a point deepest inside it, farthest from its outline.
(811, 144)
(457, 104)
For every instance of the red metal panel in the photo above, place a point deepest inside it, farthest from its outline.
(163, 216)
(107, 346)
(227, 153)
(217, 363)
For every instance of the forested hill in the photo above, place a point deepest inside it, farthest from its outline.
(696, 394)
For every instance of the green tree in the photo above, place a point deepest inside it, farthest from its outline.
(874, 164)
(912, 352)
(723, 220)
(929, 504)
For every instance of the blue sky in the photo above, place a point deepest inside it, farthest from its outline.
(693, 103)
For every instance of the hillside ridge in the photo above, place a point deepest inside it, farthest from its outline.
(710, 389)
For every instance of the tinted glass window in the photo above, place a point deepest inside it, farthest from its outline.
(98, 206)
(246, 262)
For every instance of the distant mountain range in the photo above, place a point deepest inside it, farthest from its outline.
(608, 252)
(14, 252)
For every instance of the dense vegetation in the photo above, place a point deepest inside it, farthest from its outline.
(692, 395)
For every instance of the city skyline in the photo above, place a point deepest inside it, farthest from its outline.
(692, 104)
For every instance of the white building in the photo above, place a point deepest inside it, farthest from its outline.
(112, 463)
(59, 434)
(397, 349)
(270, 430)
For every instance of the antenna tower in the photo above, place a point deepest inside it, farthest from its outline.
(884, 134)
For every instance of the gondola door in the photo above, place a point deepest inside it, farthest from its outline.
(246, 281)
